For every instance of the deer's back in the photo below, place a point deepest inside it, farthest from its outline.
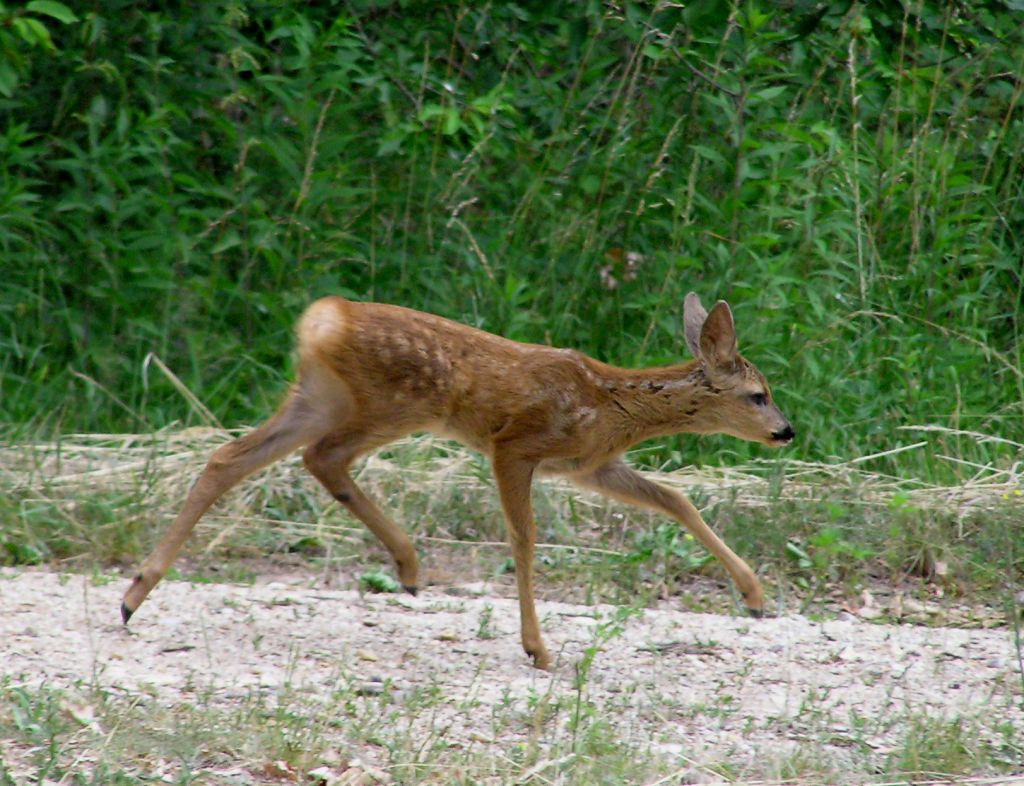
(419, 371)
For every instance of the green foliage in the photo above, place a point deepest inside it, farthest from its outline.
(181, 181)
(23, 32)
(36, 719)
(667, 553)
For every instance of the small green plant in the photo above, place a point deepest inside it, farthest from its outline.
(17, 553)
(604, 631)
(826, 556)
(931, 745)
(484, 626)
(669, 551)
(378, 581)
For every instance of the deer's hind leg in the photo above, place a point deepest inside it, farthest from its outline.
(328, 460)
(296, 423)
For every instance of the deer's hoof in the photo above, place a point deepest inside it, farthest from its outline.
(412, 589)
(126, 613)
(757, 613)
(541, 659)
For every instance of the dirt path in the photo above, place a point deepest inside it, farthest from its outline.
(709, 685)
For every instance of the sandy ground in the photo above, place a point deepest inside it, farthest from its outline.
(708, 685)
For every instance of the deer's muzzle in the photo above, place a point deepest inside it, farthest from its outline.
(785, 436)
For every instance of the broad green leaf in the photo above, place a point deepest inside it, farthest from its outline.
(230, 240)
(452, 121)
(768, 93)
(31, 31)
(708, 153)
(8, 79)
(51, 8)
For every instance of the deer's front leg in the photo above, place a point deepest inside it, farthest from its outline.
(618, 481)
(514, 477)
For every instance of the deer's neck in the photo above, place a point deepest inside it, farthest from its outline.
(653, 402)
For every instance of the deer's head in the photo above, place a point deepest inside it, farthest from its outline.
(738, 402)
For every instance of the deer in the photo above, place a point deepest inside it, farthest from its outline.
(370, 373)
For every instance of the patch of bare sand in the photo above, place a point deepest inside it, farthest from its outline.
(708, 685)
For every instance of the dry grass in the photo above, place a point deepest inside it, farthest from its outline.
(106, 498)
(165, 463)
(159, 467)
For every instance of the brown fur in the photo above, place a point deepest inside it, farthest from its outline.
(371, 373)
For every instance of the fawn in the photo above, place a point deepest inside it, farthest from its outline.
(370, 373)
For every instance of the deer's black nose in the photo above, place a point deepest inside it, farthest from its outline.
(785, 435)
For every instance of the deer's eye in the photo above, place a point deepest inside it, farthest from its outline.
(759, 399)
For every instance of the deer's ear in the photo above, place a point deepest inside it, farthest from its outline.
(693, 320)
(718, 337)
